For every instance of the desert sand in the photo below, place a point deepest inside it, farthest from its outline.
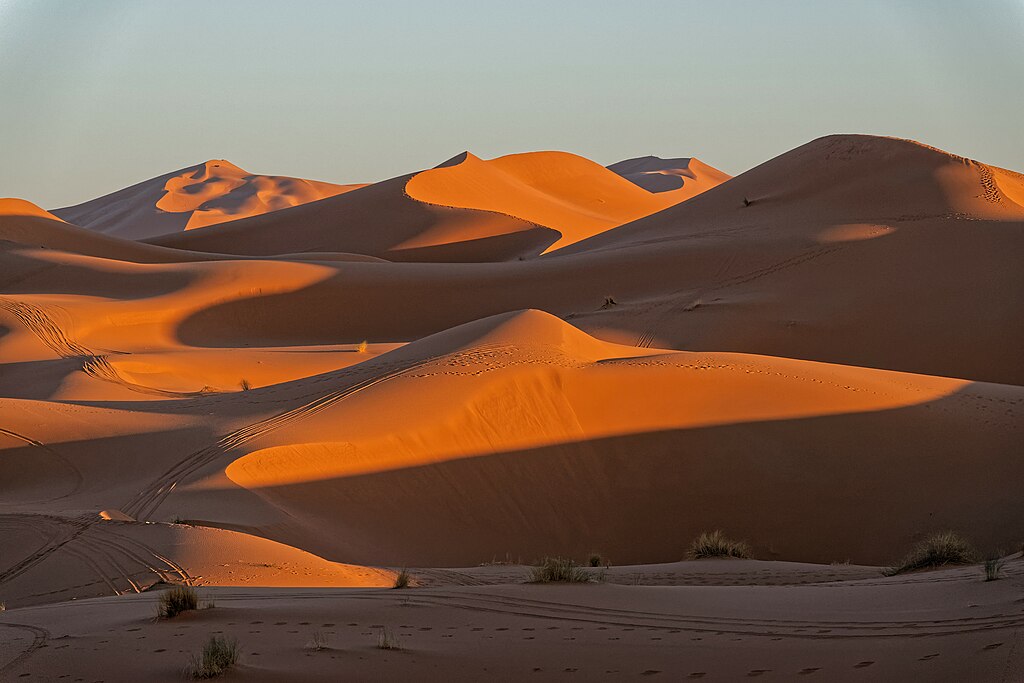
(283, 392)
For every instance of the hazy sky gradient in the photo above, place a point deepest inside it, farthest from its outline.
(95, 96)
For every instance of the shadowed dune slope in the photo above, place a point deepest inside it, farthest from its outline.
(835, 180)
(549, 433)
(194, 197)
(685, 177)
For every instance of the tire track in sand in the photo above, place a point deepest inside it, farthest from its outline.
(144, 505)
(39, 638)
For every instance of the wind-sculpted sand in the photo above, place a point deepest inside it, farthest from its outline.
(282, 393)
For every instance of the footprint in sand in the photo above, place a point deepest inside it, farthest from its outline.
(757, 672)
(992, 646)
(809, 670)
(650, 672)
(927, 657)
(861, 665)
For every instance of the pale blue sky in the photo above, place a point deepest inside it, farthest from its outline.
(97, 95)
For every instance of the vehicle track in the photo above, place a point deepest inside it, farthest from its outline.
(811, 629)
(64, 461)
(39, 638)
(117, 560)
(146, 503)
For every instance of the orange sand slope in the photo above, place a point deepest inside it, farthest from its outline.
(464, 210)
(834, 335)
(683, 177)
(194, 197)
(378, 220)
(567, 193)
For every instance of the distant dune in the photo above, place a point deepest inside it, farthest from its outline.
(194, 197)
(686, 176)
(561, 191)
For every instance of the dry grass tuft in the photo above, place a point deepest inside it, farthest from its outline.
(219, 654)
(715, 544)
(938, 550)
(559, 570)
(177, 600)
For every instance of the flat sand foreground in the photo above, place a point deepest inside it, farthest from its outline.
(947, 625)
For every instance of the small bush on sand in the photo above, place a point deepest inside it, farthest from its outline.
(558, 569)
(219, 654)
(318, 642)
(245, 385)
(177, 600)
(595, 560)
(362, 347)
(938, 550)
(994, 568)
(387, 640)
(715, 544)
(402, 580)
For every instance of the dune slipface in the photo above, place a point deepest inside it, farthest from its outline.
(283, 392)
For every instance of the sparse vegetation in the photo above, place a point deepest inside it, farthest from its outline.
(609, 302)
(559, 570)
(595, 560)
(716, 544)
(318, 642)
(177, 600)
(747, 202)
(994, 568)
(219, 654)
(245, 385)
(387, 640)
(938, 550)
(402, 579)
(363, 345)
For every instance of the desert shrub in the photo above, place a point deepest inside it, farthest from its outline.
(363, 345)
(595, 560)
(177, 600)
(245, 385)
(402, 580)
(559, 569)
(318, 642)
(938, 550)
(715, 544)
(994, 568)
(387, 640)
(219, 654)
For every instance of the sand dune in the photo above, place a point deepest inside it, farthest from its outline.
(194, 197)
(683, 177)
(378, 220)
(464, 210)
(493, 361)
(561, 191)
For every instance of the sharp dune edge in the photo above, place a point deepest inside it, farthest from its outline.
(283, 392)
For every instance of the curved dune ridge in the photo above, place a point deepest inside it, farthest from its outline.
(394, 376)
(684, 177)
(194, 197)
(562, 191)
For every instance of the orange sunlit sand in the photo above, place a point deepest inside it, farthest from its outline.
(284, 392)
